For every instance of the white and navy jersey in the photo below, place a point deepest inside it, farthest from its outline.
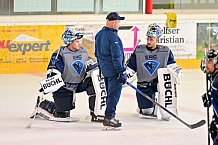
(146, 61)
(214, 96)
(71, 64)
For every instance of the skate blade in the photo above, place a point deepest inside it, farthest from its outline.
(68, 119)
(109, 128)
(147, 117)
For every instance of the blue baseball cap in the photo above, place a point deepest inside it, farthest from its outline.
(114, 16)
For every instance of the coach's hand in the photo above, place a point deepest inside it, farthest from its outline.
(122, 77)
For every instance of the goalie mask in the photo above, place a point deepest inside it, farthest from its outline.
(68, 37)
(154, 30)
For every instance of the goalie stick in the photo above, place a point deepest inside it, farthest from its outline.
(191, 126)
(29, 124)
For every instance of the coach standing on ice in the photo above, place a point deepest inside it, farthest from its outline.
(110, 56)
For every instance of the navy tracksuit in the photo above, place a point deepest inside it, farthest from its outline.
(110, 56)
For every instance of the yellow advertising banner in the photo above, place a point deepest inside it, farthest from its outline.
(171, 20)
(27, 49)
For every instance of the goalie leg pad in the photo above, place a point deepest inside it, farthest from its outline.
(101, 94)
(167, 93)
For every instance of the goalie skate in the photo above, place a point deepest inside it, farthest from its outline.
(46, 110)
(48, 116)
(143, 116)
(67, 119)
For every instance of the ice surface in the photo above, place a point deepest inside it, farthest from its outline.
(18, 96)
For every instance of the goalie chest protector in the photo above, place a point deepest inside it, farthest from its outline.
(149, 61)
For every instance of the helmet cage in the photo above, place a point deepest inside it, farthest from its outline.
(154, 31)
(68, 37)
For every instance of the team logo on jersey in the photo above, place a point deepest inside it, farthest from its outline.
(54, 60)
(151, 66)
(78, 66)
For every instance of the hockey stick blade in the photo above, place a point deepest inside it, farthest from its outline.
(198, 124)
(29, 124)
(191, 126)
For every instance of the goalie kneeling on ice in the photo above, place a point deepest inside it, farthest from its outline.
(53, 83)
(167, 93)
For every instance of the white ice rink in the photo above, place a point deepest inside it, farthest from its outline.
(18, 96)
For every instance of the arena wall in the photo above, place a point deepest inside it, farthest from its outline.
(27, 42)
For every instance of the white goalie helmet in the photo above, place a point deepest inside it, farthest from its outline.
(154, 30)
(69, 36)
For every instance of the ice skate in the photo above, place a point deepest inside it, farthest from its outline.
(150, 113)
(111, 124)
(43, 108)
(46, 110)
(58, 117)
(147, 116)
(62, 117)
(97, 118)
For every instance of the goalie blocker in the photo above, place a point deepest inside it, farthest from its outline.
(167, 96)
